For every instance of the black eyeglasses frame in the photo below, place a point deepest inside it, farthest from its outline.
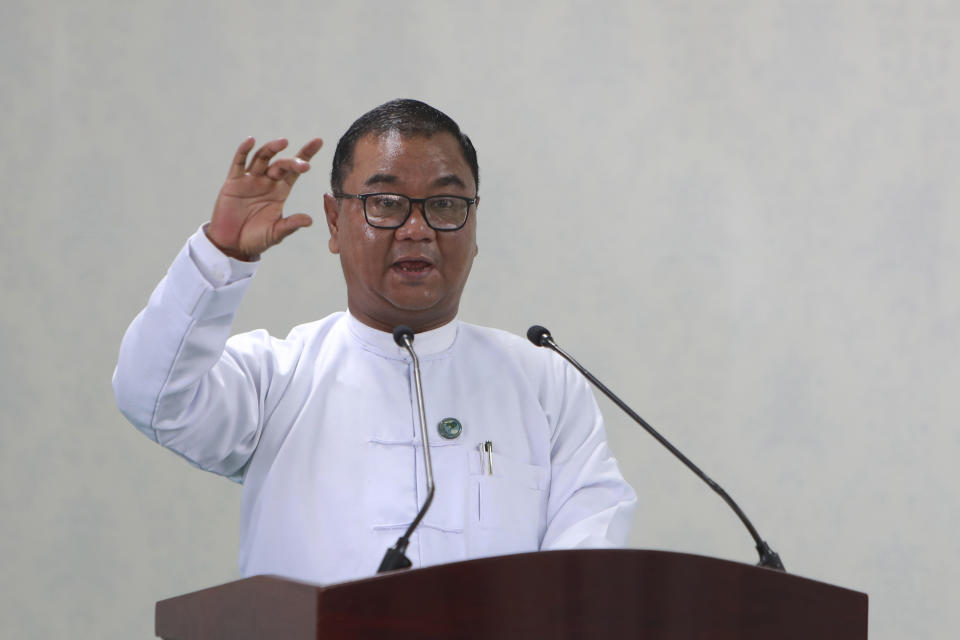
(362, 197)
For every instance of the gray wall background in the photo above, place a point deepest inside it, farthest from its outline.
(741, 214)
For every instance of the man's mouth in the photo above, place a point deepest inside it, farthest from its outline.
(413, 267)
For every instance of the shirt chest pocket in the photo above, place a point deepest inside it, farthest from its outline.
(512, 497)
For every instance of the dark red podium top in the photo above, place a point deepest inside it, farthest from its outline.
(554, 594)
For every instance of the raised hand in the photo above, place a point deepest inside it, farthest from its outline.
(248, 215)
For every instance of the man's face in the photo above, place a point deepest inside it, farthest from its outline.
(411, 275)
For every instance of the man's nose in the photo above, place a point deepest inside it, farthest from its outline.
(415, 227)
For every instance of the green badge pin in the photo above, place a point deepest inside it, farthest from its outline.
(450, 428)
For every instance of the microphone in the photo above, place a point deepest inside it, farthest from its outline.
(395, 557)
(541, 337)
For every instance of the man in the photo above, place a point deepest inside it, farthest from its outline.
(322, 427)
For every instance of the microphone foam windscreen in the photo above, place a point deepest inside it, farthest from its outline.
(400, 333)
(536, 334)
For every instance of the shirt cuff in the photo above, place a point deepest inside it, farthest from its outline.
(218, 268)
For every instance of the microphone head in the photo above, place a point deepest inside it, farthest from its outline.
(538, 335)
(401, 333)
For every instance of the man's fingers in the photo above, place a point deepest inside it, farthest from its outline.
(303, 157)
(287, 169)
(239, 165)
(310, 149)
(285, 226)
(261, 159)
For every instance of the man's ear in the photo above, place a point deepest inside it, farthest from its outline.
(332, 208)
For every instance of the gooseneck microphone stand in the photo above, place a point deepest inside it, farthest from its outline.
(768, 557)
(395, 557)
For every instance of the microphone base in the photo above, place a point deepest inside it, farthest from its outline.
(394, 559)
(769, 558)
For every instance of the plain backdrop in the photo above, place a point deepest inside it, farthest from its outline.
(743, 215)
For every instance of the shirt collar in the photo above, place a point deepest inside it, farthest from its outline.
(426, 343)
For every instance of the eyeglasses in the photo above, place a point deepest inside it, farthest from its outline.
(391, 210)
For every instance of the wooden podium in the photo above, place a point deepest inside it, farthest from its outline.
(554, 594)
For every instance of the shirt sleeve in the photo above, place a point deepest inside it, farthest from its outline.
(218, 268)
(590, 504)
(179, 381)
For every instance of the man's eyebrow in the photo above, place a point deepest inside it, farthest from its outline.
(380, 178)
(451, 179)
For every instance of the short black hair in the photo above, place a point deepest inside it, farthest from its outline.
(409, 118)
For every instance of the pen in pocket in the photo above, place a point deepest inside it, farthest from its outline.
(486, 458)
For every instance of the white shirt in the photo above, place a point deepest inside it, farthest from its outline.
(322, 429)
